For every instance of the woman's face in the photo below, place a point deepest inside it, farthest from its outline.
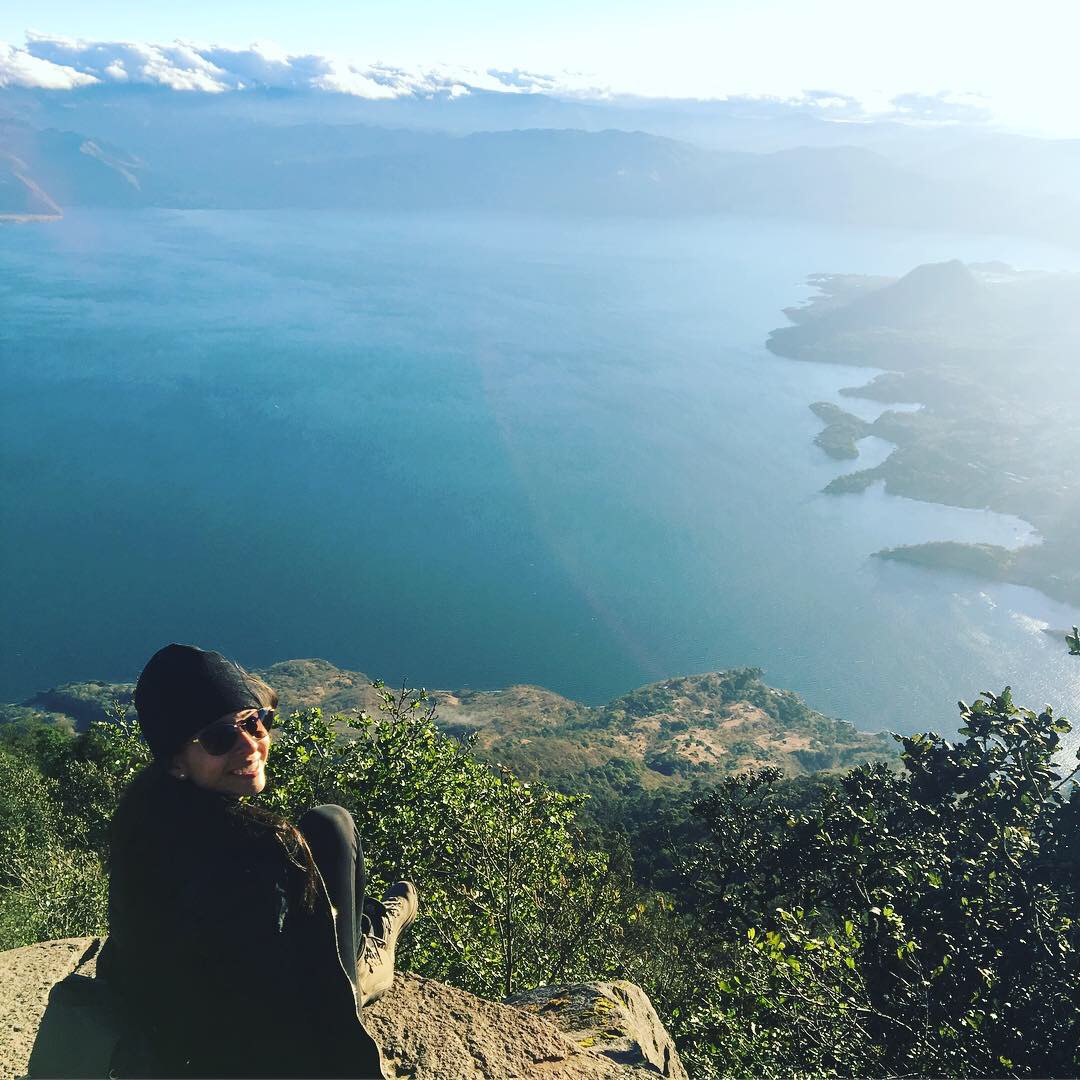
(239, 771)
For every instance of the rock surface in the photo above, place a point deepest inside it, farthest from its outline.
(428, 1031)
(615, 1018)
(26, 977)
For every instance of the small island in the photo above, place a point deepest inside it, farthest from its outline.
(991, 355)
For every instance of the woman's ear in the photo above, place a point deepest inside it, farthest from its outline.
(176, 769)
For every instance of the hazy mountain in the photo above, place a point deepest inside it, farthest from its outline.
(565, 171)
(968, 320)
(58, 169)
(142, 145)
(118, 112)
(20, 195)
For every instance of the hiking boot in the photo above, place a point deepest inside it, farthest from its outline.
(387, 919)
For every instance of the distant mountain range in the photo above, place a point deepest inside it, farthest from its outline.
(676, 733)
(141, 147)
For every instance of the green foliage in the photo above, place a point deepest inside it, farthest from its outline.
(1073, 641)
(512, 897)
(790, 1001)
(27, 814)
(89, 780)
(28, 829)
(57, 795)
(48, 892)
(938, 905)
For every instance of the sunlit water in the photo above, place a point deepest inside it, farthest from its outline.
(472, 452)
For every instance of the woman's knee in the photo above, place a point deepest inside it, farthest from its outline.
(328, 825)
(329, 815)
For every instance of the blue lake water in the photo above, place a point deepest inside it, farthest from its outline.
(472, 452)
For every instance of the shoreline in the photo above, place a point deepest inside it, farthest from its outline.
(987, 562)
(942, 453)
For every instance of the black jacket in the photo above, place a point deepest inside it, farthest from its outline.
(222, 969)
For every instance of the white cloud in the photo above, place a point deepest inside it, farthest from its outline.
(177, 66)
(56, 63)
(263, 66)
(63, 63)
(342, 79)
(944, 107)
(19, 68)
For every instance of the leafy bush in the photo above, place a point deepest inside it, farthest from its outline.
(948, 893)
(52, 882)
(788, 1001)
(51, 892)
(512, 897)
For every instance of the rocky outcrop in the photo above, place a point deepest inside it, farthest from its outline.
(26, 977)
(427, 1030)
(615, 1018)
(430, 1031)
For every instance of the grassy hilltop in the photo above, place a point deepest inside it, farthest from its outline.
(674, 734)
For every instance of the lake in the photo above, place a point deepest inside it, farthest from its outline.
(473, 452)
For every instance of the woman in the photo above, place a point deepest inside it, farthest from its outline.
(233, 934)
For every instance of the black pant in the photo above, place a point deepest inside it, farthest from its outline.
(331, 835)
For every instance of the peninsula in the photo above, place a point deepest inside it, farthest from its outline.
(990, 354)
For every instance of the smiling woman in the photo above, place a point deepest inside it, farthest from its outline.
(229, 755)
(211, 896)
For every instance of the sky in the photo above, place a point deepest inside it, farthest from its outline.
(1018, 60)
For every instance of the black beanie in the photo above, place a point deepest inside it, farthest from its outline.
(184, 688)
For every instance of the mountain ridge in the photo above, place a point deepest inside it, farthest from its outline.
(202, 158)
(677, 733)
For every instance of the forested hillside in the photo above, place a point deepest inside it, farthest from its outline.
(872, 922)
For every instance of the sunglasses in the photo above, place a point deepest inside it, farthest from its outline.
(221, 736)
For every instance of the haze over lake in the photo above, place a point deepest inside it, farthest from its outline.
(473, 451)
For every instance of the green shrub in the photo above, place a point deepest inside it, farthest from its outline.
(52, 892)
(949, 893)
(512, 896)
(48, 887)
